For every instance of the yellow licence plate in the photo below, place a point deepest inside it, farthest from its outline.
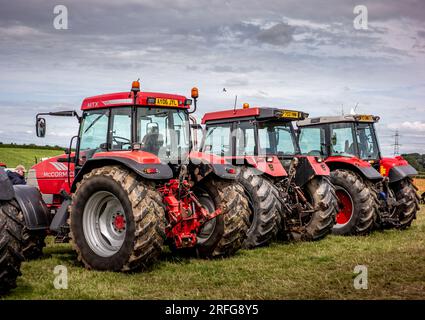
(290, 114)
(166, 102)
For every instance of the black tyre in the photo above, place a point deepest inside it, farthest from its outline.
(232, 225)
(265, 220)
(33, 243)
(117, 220)
(357, 206)
(405, 190)
(321, 195)
(11, 225)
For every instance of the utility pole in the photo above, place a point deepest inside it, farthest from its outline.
(396, 143)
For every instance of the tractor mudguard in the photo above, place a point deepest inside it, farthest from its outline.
(227, 171)
(370, 173)
(356, 165)
(154, 171)
(400, 172)
(6, 187)
(202, 164)
(308, 168)
(36, 213)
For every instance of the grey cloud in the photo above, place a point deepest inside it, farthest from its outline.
(278, 35)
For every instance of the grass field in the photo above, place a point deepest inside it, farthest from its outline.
(14, 156)
(319, 270)
(420, 183)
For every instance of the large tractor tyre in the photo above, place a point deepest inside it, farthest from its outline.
(405, 190)
(321, 194)
(265, 220)
(11, 225)
(232, 224)
(357, 206)
(33, 243)
(117, 220)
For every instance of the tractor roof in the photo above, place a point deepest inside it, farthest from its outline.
(256, 113)
(337, 119)
(152, 99)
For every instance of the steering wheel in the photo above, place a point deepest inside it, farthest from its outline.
(121, 144)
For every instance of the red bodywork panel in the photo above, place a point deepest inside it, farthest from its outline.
(348, 160)
(238, 113)
(272, 168)
(3, 165)
(319, 168)
(120, 99)
(386, 164)
(141, 157)
(52, 177)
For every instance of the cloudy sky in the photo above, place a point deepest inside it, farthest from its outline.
(302, 54)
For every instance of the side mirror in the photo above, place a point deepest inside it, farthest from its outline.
(41, 127)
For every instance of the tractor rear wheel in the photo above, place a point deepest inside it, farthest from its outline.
(11, 225)
(321, 195)
(357, 206)
(227, 232)
(117, 220)
(406, 190)
(265, 220)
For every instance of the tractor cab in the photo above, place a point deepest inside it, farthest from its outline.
(341, 136)
(253, 133)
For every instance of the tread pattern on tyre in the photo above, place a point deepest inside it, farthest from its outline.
(323, 219)
(11, 225)
(407, 212)
(148, 213)
(365, 205)
(324, 216)
(265, 216)
(235, 209)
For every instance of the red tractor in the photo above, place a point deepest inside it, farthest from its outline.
(286, 191)
(373, 191)
(133, 184)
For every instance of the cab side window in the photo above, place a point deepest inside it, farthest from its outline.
(120, 132)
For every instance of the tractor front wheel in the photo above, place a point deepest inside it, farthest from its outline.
(11, 225)
(357, 206)
(117, 220)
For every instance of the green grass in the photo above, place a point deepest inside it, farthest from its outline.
(318, 270)
(14, 156)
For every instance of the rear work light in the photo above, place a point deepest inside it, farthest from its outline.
(231, 170)
(151, 170)
(188, 102)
